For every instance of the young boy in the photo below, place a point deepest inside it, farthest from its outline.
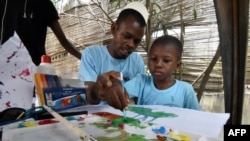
(159, 88)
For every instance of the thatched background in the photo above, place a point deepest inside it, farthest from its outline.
(86, 25)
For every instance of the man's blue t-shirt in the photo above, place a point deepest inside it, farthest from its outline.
(97, 60)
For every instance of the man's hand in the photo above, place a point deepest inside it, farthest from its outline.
(103, 82)
(95, 90)
(116, 96)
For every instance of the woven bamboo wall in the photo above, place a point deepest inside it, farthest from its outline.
(200, 40)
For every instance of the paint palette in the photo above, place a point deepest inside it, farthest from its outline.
(103, 126)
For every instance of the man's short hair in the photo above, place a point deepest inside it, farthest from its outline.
(130, 12)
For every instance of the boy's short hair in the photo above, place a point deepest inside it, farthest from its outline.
(135, 9)
(168, 39)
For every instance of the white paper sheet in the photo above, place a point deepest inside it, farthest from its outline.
(16, 77)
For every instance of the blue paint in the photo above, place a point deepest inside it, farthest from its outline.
(70, 118)
(21, 125)
(161, 130)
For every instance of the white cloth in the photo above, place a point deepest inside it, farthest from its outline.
(16, 75)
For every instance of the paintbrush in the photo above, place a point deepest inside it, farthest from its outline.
(124, 109)
(20, 115)
(77, 131)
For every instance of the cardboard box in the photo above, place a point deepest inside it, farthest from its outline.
(61, 98)
(59, 93)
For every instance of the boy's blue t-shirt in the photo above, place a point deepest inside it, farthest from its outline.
(181, 94)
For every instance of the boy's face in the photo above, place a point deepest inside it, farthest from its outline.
(127, 36)
(163, 60)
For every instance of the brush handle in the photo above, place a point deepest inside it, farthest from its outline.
(77, 131)
(124, 109)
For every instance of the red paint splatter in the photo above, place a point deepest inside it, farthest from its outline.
(47, 121)
(121, 126)
(81, 123)
(11, 56)
(81, 119)
(25, 72)
(107, 115)
(109, 122)
(13, 76)
(161, 138)
(8, 104)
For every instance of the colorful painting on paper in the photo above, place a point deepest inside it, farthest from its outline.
(104, 126)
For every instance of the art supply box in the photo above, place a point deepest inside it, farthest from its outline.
(59, 93)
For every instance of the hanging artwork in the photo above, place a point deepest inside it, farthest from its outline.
(16, 75)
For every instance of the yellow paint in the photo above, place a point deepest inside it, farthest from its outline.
(180, 137)
(30, 124)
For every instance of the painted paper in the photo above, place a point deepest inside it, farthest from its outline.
(104, 126)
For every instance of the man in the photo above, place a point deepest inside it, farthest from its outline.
(127, 32)
(33, 21)
(30, 20)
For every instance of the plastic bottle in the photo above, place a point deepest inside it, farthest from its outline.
(45, 66)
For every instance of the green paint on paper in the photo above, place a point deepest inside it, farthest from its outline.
(149, 113)
(135, 137)
(123, 135)
(118, 123)
(130, 121)
(101, 124)
(140, 110)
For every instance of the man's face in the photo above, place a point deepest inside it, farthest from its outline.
(127, 36)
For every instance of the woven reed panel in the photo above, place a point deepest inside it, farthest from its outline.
(84, 28)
